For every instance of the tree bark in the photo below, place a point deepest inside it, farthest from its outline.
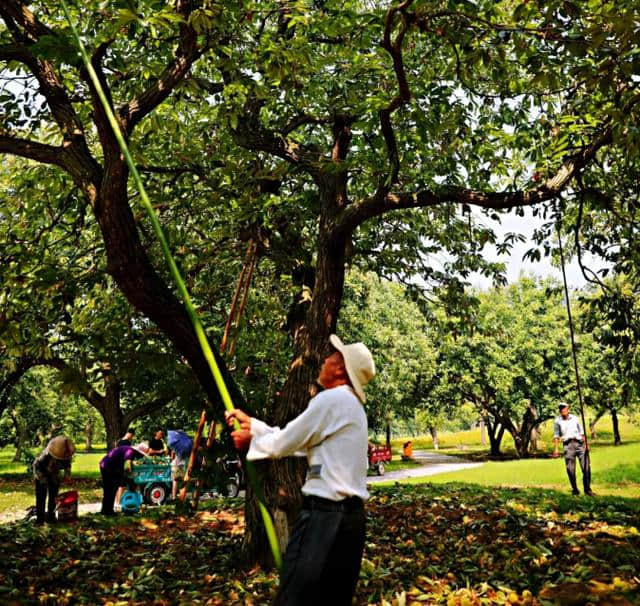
(434, 436)
(283, 479)
(533, 433)
(88, 434)
(495, 431)
(21, 436)
(483, 432)
(112, 413)
(616, 427)
(132, 270)
(592, 424)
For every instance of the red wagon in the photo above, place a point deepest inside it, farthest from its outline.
(378, 456)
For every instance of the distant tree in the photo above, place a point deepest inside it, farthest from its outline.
(380, 314)
(513, 362)
(611, 314)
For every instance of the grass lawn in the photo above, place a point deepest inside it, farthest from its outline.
(615, 471)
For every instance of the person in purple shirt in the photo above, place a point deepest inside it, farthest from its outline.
(112, 469)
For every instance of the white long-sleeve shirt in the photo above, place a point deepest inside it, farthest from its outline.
(332, 434)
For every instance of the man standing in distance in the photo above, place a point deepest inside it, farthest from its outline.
(567, 428)
(322, 560)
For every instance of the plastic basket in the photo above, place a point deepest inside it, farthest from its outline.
(67, 506)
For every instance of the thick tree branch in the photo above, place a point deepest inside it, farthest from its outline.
(26, 29)
(252, 135)
(301, 120)
(16, 52)
(11, 380)
(394, 48)
(186, 54)
(33, 150)
(356, 214)
(18, 13)
(108, 141)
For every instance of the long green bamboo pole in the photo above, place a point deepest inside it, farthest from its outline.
(177, 277)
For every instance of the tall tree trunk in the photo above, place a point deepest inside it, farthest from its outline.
(495, 431)
(88, 433)
(388, 434)
(22, 436)
(112, 413)
(522, 435)
(533, 432)
(283, 479)
(434, 436)
(483, 432)
(592, 424)
(535, 436)
(616, 427)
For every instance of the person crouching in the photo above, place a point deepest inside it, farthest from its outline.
(47, 466)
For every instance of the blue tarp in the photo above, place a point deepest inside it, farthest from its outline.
(180, 442)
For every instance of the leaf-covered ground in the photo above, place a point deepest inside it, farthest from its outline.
(426, 545)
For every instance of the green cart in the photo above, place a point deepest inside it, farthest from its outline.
(152, 477)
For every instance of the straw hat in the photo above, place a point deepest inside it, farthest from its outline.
(61, 448)
(358, 362)
(142, 448)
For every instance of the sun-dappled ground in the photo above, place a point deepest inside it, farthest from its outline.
(426, 544)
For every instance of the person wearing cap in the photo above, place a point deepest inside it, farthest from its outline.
(112, 469)
(322, 560)
(567, 428)
(47, 466)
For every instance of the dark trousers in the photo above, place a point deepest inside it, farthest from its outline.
(322, 561)
(573, 449)
(42, 488)
(110, 484)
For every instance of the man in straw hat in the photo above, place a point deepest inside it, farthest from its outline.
(112, 469)
(322, 560)
(55, 458)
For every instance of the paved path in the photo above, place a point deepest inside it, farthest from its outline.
(12, 516)
(433, 463)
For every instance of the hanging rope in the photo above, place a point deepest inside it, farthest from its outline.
(573, 339)
(177, 277)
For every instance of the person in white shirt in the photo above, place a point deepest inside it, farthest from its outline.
(567, 428)
(322, 560)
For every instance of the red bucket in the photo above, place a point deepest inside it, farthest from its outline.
(67, 506)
